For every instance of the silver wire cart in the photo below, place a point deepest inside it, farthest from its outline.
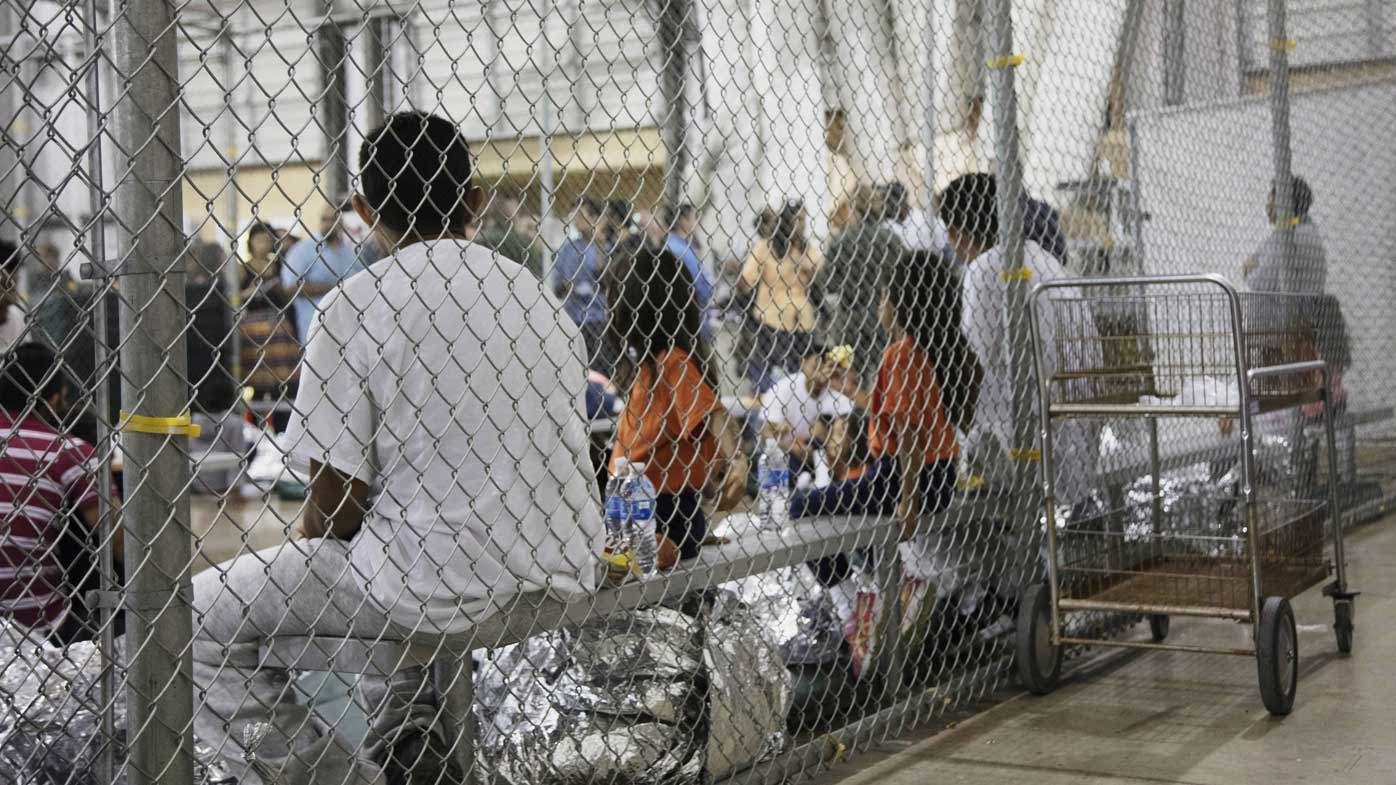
(1184, 346)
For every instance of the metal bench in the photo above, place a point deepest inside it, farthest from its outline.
(449, 658)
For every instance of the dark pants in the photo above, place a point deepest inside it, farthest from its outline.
(875, 493)
(774, 352)
(679, 516)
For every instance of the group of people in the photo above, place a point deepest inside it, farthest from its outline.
(441, 415)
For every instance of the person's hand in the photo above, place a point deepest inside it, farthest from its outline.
(732, 491)
(842, 381)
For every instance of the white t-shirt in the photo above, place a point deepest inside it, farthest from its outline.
(1075, 442)
(445, 378)
(922, 231)
(12, 330)
(789, 402)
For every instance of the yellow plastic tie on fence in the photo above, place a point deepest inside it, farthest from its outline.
(1007, 61)
(1020, 274)
(970, 483)
(1283, 44)
(160, 426)
(1025, 454)
(837, 750)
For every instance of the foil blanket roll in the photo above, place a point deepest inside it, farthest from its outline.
(652, 696)
(51, 721)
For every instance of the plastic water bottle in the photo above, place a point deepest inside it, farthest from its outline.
(640, 496)
(773, 479)
(617, 511)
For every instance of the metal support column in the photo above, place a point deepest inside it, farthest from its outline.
(673, 44)
(1279, 127)
(332, 112)
(378, 65)
(9, 111)
(998, 26)
(107, 521)
(154, 384)
(1175, 52)
(547, 187)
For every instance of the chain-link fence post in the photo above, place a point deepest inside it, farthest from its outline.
(106, 566)
(1002, 61)
(331, 112)
(9, 110)
(153, 367)
(1279, 125)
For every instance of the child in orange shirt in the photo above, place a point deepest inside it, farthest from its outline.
(672, 422)
(926, 385)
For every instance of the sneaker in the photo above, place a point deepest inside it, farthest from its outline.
(422, 758)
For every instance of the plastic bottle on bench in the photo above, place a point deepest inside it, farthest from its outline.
(618, 514)
(640, 496)
(773, 480)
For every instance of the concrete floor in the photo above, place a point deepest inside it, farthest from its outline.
(1159, 717)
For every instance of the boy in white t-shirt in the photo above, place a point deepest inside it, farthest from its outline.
(793, 405)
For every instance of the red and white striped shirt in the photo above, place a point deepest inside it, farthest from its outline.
(45, 477)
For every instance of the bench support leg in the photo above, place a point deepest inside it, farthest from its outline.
(455, 684)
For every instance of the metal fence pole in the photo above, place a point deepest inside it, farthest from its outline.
(106, 566)
(673, 43)
(332, 114)
(1175, 53)
(1279, 126)
(153, 366)
(1002, 60)
(9, 111)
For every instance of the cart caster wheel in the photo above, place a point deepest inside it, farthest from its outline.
(1277, 655)
(1342, 625)
(1158, 627)
(1039, 662)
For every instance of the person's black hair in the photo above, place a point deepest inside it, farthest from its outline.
(1301, 194)
(620, 211)
(673, 214)
(415, 173)
(1323, 321)
(970, 205)
(652, 306)
(784, 239)
(29, 376)
(9, 256)
(814, 349)
(260, 227)
(896, 204)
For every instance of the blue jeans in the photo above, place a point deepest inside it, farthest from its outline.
(875, 493)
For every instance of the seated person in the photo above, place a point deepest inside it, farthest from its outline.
(672, 422)
(1324, 336)
(846, 447)
(794, 404)
(47, 478)
(926, 383)
(448, 462)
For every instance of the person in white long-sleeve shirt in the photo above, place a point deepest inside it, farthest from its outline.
(969, 209)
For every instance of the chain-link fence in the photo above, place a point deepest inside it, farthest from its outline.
(563, 391)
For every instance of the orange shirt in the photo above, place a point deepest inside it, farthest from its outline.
(664, 424)
(906, 396)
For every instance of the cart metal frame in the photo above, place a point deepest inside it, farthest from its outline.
(1249, 406)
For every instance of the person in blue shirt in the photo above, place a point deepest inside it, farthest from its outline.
(684, 245)
(576, 280)
(316, 265)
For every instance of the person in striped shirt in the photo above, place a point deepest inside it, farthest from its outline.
(48, 480)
